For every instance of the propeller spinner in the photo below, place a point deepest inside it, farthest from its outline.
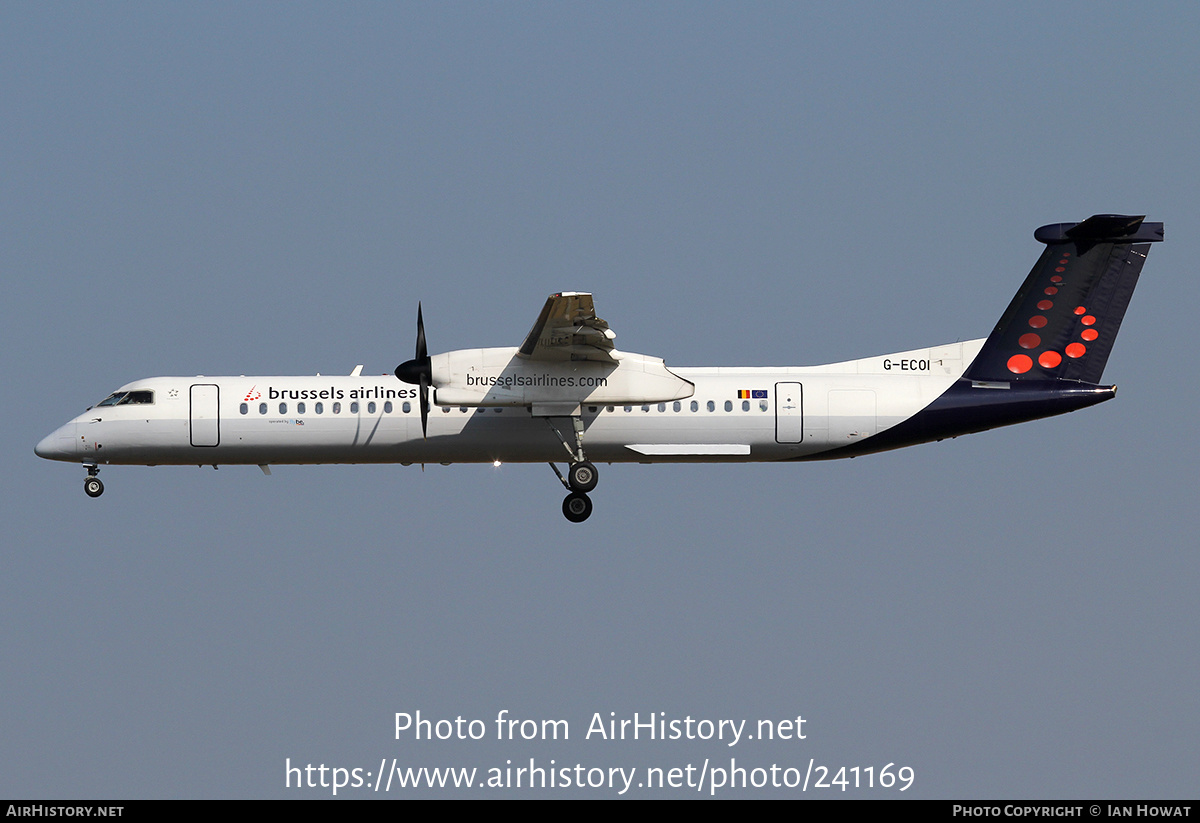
(419, 372)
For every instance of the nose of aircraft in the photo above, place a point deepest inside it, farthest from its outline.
(58, 445)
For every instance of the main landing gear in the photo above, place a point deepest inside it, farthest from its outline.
(581, 475)
(581, 478)
(92, 486)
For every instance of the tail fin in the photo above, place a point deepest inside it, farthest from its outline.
(1064, 320)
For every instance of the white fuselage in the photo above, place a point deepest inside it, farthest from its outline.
(733, 415)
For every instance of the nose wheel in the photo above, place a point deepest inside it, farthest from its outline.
(92, 486)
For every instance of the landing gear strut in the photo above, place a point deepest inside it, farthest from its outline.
(92, 486)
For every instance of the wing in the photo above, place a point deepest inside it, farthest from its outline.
(568, 329)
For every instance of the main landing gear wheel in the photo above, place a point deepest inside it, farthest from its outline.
(582, 476)
(577, 507)
(92, 487)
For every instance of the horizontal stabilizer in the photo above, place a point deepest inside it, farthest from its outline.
(1102, 228)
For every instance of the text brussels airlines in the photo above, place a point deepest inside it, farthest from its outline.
(332, 393)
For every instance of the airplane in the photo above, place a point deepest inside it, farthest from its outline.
(567, 394)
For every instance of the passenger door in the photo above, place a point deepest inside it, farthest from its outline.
(205, 415)
(789, 413)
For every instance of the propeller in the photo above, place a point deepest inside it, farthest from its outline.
(419, 372)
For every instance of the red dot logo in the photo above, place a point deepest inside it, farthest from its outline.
(1056, 279)
(1037, 322)
(1089, 334)
(1088, 320)
(1049, 359)
(1029, 341)
(1051, 290)
(1045, 305)
(1020, 363)
(1080, 310)
(1076, 350)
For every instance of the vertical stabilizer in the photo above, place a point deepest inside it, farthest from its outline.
(1064, 320)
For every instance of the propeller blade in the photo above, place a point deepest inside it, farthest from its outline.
(419, 372)
(424, 408)
(422, 352)
(418, 369)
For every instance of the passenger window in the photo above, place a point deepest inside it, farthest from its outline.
(262, 408)
(407, 407)
(299, 408)
(629, 408)
(354, 408)
(319, 408)
(387, 407)
(645, 408)
(711, 406)
(662, 407)
(728, 405)
(371, 407)
(695, 406)
(337, 408)
(676, 406)
(762, 405)
(609, 408)
(283, 408)
(745, 405)
(244, 408)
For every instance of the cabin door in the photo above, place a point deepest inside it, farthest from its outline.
(205, 416)
(789, 413)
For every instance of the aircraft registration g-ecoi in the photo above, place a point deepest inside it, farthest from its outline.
(567, 394)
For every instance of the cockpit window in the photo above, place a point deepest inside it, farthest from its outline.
(128, 398)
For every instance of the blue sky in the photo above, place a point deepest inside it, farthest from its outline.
(223, 189)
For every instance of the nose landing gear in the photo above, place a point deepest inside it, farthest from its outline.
(92, 486)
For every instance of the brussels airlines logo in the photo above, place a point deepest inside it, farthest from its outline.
(334, 393)
(252, 394)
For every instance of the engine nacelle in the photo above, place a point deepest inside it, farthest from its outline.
(501, 377)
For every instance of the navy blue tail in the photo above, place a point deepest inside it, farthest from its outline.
(1062, 323)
